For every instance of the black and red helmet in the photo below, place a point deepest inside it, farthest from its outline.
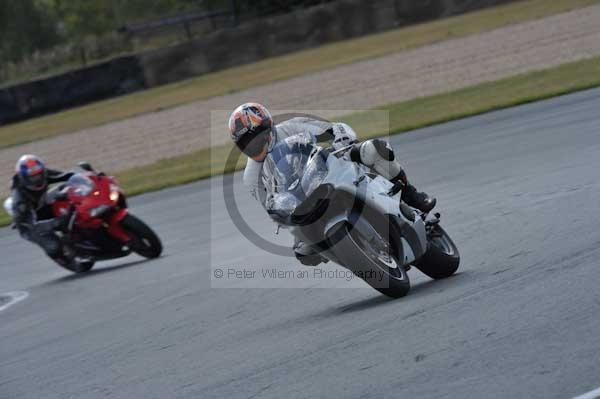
(32, 173)
(250, 126)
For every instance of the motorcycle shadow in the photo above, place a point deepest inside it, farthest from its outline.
(97, 270)
(377, 300)
(428, 286)
(416, 291)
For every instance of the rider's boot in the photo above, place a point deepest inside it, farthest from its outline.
(66, 257)
(416, 199)
(411, 196)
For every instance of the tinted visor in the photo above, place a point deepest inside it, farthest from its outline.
(36, 182)
(253, 144)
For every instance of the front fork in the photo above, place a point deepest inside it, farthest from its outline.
(114, 226)
(431, 222)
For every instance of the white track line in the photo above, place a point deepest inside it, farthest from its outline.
(14, 297)
(590, 395)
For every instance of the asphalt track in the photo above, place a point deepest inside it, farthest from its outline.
(518, 190)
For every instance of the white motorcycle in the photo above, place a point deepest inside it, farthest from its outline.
(354, 217)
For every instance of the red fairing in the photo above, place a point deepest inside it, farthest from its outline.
(114, 225)
(98, 202)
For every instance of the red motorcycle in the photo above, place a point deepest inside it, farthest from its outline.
(101, 226)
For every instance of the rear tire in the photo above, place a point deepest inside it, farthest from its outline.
(144, 240)
(390, 281)
(442, 258)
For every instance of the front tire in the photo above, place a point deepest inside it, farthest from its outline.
(442, 258)
(144, 240)
(388, 277)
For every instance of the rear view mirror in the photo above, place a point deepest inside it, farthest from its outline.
(86, 166)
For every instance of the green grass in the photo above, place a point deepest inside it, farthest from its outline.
(283, 67)
(404, 116)
(4, 219)
(504, 93)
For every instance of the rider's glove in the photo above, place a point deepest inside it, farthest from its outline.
(343, 136)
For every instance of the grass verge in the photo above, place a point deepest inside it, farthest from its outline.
(4, 219)
(404, 116)
(283, 67)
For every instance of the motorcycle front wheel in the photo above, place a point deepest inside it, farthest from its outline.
(144, 240)
(377, 265)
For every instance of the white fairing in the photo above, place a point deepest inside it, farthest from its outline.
(356, 181)
(409, 255)
(8, 206)
(373, 190)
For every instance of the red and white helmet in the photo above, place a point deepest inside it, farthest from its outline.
(250, 126)
(32, 173)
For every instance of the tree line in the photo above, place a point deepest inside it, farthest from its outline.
(27, 26)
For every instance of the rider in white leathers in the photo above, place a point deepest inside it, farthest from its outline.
(253, 131)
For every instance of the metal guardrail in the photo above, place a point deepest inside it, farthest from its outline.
(130, 73)
(238, 10)
(185, 19)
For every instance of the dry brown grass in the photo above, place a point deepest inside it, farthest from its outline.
(283, 67)
(403, 116)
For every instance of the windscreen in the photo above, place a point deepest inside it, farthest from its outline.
(80, 185)
(293, 170)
